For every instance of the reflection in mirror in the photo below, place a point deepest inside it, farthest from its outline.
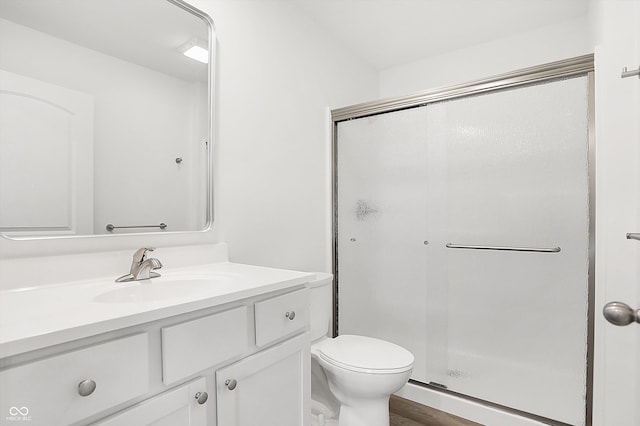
(104, 120)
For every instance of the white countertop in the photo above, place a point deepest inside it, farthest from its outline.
(35, 318)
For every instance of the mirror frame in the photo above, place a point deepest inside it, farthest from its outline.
(211, 144)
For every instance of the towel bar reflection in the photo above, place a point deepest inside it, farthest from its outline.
(503, 248)
(110, 227)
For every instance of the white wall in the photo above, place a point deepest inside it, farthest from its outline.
(278, 74)
(547, 44)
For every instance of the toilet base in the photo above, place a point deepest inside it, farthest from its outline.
(320, 420)
(365, 413)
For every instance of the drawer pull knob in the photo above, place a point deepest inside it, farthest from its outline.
(202, 397)
(231, 384)
(291, 315)
(86, 387)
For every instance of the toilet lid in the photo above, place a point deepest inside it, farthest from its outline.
(360, 353)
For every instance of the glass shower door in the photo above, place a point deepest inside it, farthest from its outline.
(512, 172)
(472, 176)
(381, 173)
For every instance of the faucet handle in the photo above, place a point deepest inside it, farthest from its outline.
(140, 254)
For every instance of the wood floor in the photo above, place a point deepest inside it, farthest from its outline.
(408, 413)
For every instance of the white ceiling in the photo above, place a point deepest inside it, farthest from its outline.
(383, 33)
(387, 33)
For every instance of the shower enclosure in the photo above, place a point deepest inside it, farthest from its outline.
(462, 232)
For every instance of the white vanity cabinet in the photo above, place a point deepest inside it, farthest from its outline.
(244, 362)
(279, 370)
(266, 389)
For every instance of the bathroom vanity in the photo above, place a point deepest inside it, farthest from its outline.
(214, 344)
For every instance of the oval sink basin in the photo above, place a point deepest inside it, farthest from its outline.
(157, 289)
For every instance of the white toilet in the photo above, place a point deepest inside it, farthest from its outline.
(352, 377)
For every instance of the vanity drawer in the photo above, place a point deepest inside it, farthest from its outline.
(193, 346)
(281, 316)
(49, 391)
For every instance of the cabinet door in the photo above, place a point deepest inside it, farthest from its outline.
(270, 388)
(177, 407)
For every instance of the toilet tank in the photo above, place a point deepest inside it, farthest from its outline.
(321, 294)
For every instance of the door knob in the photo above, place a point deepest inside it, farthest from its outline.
(618, 313)
(231, 384)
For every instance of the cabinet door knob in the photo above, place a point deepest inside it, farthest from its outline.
(231, 384)
(86, 387)
(202, 397)
(291, 315)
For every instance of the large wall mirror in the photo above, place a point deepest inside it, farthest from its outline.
(105, 122)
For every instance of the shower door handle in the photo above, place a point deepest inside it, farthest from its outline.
(618, 313)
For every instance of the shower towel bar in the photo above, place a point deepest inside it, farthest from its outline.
(632, 236)
(631, 73)
(110, 227)
(501, 248)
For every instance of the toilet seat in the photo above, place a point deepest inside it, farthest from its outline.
(365, 355)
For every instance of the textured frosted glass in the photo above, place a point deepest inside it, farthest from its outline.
(381, 207)
(507, 168)
(512, 171)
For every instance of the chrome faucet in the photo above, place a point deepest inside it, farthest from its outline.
(141, 267)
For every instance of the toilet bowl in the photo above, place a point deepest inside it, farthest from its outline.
(352, 376)
(362, 372)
